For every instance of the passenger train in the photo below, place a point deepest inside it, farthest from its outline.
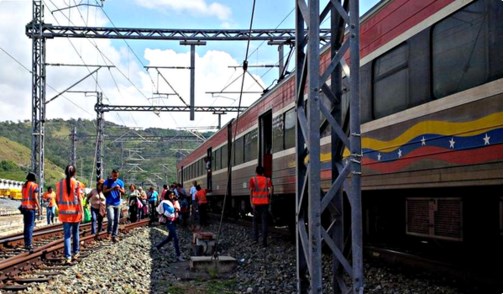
(431, 113)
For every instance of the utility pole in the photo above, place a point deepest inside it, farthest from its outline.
(73, 155)
(193, 45)
(100, 126)
(38, 92)
(311, 201)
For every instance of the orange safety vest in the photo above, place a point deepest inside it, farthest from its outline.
(201, 196)
(28, 192)
(260, 191)
(70, 209)
(51, 197)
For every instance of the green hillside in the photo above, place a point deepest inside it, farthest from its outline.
(15, 162)
(140, 160)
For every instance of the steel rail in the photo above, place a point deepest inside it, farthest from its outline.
(26, 262)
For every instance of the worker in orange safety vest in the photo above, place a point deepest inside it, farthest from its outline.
(202, 205)
(261, 190)
(29, 205)
(68, 198)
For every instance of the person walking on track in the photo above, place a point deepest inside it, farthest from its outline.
(68, 198)
(167, 209)
(98, 208)
(261, 189)
(113, 188)
(50, 199)
(29, 206)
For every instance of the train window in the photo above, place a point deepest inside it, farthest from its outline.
(460, 51)
(290, 129)
(214, 160)
(278, 138)
(390, 82)
(224, 155)
(238, 151)
(218, 159)
(250, 145)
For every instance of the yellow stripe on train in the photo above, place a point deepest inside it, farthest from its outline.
(461, 129)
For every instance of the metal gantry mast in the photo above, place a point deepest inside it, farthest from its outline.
(100, 127)
(38, 92)
(52, 31)
(160, 108)
(312, 118)
(73, 154)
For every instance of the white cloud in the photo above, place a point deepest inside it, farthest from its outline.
(194, 7)
(127, 84)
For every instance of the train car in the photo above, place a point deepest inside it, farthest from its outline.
(431, 113)
(15, 194)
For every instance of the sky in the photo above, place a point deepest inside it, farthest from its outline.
(128, 82)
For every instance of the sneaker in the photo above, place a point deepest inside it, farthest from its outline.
(68, 260)
(180, 258)
(76, 256)
(115, 239)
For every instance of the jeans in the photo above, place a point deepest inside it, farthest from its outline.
(29, 224)
(113, 220)
(71, 230)
(202, 208)
(172, 234)
(50, 214)
(261, 213)
(96, 219)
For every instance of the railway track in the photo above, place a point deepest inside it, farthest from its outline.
(19, 268)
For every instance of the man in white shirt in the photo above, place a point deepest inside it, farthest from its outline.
(194, 203)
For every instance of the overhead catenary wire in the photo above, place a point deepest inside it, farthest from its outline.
(81, 58)
(245, 66)
(140, 61)
(106, 60)
(52, 88)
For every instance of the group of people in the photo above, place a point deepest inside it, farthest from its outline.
(105, 199)
(176, 205)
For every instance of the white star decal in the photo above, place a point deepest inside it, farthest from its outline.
(423, 141)
(452, 143)
(379, 156)
(486, 139)
(399, 153)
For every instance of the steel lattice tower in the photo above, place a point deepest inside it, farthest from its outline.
(311, 201)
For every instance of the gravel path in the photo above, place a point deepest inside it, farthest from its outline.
(133, 266)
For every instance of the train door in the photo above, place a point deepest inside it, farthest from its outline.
(208, 166)
(181, 175)
(265, 157)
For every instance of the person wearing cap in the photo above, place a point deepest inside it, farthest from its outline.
(29, 205)
(98, 210)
